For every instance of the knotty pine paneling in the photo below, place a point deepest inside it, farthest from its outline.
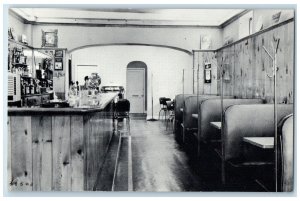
(248, 65)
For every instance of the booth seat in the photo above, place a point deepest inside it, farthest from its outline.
(286, 154)
(189, 108)
(189, 127)
(210, 111)
(178, 104)
(248, 121)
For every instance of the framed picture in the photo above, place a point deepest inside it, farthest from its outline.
(49, 38)
(59, 53)
(58, 64)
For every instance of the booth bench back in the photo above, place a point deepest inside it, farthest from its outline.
(190, 107)
(210, 110)
(179, 102)
(287, 154)
(249, 121)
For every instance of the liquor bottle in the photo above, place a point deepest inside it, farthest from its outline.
(22, 87)
(27, 88)
(37, 87)
(32, 88)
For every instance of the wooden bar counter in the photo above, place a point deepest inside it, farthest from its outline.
(58, 149)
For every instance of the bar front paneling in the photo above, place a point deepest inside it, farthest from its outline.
(57, 149)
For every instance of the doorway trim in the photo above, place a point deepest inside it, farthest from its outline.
(145, 78)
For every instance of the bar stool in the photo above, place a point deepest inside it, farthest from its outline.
(122, 112)
(163, 106)
(170, 109)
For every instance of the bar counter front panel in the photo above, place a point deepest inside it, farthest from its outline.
(57, 149)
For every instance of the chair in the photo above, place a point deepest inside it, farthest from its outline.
(122, 111)
(163, 106)
(170, 109)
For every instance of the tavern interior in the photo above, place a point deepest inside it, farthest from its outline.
(103, 99)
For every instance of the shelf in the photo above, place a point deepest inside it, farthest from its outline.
(19, 64)
(27, 77)
(19, 43)
(30, 95)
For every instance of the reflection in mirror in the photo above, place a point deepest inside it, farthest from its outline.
(44, 62)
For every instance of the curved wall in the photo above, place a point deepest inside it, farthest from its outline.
(165, 64)
(74, 36)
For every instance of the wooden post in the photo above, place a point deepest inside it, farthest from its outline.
(198, 143)
(275, 115)
(222, 127)
(183, 129)
(274, 73)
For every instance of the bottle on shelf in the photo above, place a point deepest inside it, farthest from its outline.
(32, 87)
(27, 88)
(22, 87)
(37, 87)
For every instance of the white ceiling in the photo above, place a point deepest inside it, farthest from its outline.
(188, 17)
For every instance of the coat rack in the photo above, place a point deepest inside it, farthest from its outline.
(221, 79)
(152, 119)
(183, 133)
(273, 75)
(221, 69)
(198, 69)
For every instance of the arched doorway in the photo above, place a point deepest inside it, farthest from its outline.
(136, 86)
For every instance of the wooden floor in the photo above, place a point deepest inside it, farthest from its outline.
(150, 160)
(158, 163)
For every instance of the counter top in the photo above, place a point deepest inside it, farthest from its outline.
(105, 99)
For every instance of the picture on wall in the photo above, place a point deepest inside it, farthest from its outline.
(58, 64)
(58, 53)
(49, 38)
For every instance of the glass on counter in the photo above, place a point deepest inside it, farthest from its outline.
(84, 99)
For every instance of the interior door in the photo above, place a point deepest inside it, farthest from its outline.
(135, 90)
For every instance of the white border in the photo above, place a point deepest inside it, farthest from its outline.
(178, 196)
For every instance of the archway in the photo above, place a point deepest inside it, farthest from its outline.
(136, 86)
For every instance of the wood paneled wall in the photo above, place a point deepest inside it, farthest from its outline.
(200, 58)
(57, 153)
(247, 65)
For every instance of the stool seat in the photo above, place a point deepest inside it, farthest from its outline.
(170, 108)
(163, 106)
(122, 111)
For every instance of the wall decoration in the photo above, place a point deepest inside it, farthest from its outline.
(24, 39)
(59, 74)
(49, 38)
(207, 73)
(58, 64)
(59, 53)
(276, 17)
(205, 43)
(226, 72)
(12, 34)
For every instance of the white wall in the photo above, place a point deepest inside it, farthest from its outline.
(73, 36)
(165, 64)
(261, 17)
(20, 28)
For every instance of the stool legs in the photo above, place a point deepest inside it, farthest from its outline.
(125, 126)
(159, 113)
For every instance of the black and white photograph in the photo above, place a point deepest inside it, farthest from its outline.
(149, 99)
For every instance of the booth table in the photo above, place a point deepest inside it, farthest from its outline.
(262, 142)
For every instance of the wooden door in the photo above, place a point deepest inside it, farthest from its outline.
(135, 90)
